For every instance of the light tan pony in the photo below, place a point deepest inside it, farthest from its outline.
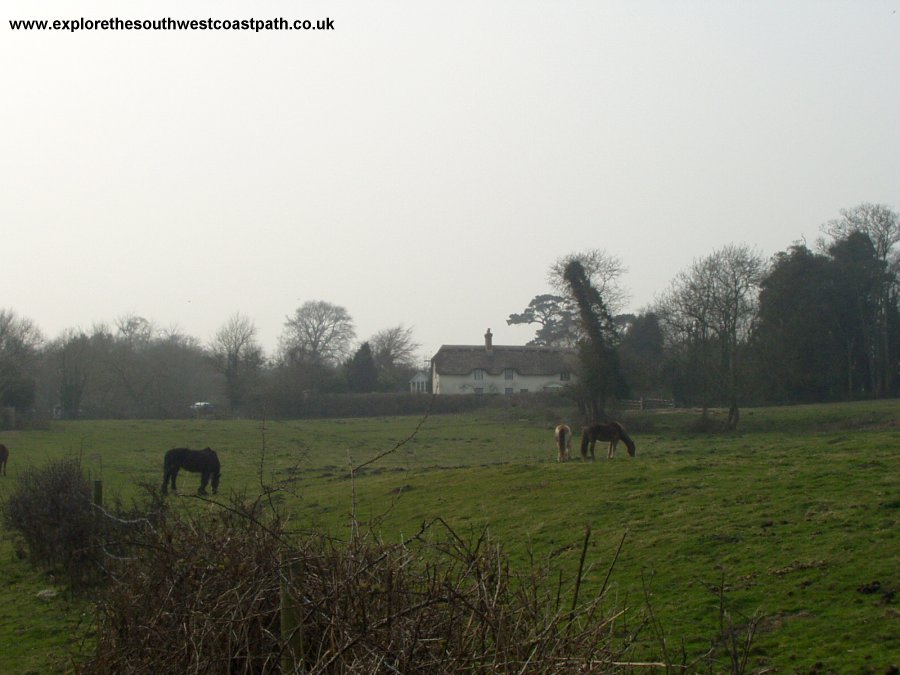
(612, 432)
(563, 436)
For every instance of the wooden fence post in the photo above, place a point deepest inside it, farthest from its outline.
(293, 658)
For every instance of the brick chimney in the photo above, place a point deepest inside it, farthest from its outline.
(488, 341)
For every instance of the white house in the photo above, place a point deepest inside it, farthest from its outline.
(490, 369)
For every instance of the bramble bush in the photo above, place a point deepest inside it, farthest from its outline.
(231, 593)
(50, 509)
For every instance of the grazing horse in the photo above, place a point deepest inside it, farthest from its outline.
(563, 436)
(4, 455)
(612, 432)
(204, 462)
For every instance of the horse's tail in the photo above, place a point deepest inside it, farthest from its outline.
(562, 435)
(585, 440)
(626, 439)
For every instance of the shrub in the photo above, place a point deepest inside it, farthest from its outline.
(223, 591)
(50, 508)
(198, 593)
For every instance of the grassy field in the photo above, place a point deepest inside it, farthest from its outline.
(791, 521)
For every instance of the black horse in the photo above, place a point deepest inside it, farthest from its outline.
(204, 462)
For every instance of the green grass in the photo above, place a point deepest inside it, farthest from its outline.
(796, 512)
(36, 636)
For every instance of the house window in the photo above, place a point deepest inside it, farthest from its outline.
(508, 373)
(564, 376)
(508, 391)
(479, 374)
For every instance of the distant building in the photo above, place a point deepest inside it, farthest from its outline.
(500, 369)
(419, 382)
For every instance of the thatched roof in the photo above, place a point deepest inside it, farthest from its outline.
(463, 359)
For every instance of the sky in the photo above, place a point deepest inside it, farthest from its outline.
(424, 163)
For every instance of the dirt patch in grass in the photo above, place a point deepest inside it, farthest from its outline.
(797, 566)
(770, 624)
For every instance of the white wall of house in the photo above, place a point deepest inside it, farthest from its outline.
(495, 384)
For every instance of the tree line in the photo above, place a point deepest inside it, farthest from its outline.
(132, 368)
(808, 325)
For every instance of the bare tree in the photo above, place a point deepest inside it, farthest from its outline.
(394, 353)
(238, 356)
(878, 221)
(394, 347)
(602, 270)
(20, 340)
(135, 329)
(146, 372)
(710, 310)
(128, 360)
(318, 332)
(70, 354)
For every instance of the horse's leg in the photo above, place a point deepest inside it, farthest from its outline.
(204, 479)
(612, 449)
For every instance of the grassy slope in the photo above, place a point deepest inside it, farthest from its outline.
(796, 512)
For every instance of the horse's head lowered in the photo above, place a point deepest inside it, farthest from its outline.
(217, 473)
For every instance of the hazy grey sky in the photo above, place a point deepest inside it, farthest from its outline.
(425, 162)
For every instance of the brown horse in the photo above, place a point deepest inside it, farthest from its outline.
(563, 436)
(4, 455)
(612, 432)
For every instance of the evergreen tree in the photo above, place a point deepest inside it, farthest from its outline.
(362, 373)
(600, 376)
